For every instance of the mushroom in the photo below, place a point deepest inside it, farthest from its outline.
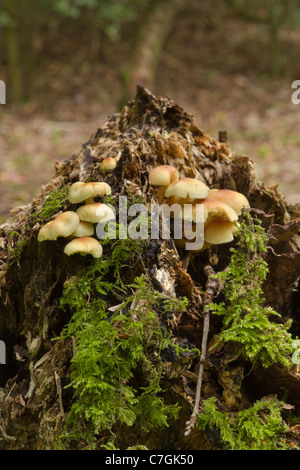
(163, 176)
(219, 230)
(237, 201)
(62, 226)
(216, 209)
(108, 164)
(96, 212)
(208, 210)
(201, 212)
(188, 189)
(87, 191)
(84, 229)
(84, 246)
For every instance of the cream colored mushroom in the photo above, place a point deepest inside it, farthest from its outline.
(163, 176)
(237, 201)
(62, 226)
(204, 210)
(219, 230)
(80, 192)
(108, 164)
(188, 189)
(84, 229)
(84, 246)
(96, 212)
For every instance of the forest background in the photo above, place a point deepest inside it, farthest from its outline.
(68, 64)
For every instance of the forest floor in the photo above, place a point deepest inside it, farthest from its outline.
(216, 70)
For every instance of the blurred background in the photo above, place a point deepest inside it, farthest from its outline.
(68, 64)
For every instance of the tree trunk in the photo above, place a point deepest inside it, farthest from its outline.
(148, 46)
(13, 55)
(149, 131)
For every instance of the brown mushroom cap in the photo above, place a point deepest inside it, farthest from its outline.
(219, 230)
(109, 163)
(237, 201)
(96, 212)
(62, 226)
(84, 246)
(188, 188)
(84, 229)
(81, 191)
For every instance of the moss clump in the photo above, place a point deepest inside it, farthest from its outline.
(260, 427)
(246, 320)
(117, 369)
(53, 202)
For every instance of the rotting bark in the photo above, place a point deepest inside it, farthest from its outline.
(149, 131)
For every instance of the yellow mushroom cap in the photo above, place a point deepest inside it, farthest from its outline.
(219, 230)
(62, 226)
(199, 211)
(81, 191)
(96, 212)
(218, 209)
(84, 229)
(84, 246)
(237, 201)
(108, 163)
(188, 188)
(163, 175)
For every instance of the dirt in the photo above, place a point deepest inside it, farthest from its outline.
(216, 67)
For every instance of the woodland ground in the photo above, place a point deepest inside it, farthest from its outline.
(216, 68)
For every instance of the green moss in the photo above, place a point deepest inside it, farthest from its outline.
(246, 318)
(117, 369)
(53, 202)
(260, 427)
(15, 247)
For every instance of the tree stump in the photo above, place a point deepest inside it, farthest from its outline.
(149, 131)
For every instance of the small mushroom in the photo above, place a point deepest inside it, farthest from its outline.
(219, 230)
(188, 189)
(84, 229)
(237, 201)
(80, 192)
(216, 209)
(208, 210)
(96, 212)
(163, 176)
(108, 164)
(84, 246)
(62, 226)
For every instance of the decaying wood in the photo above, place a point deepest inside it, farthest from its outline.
(148, 131)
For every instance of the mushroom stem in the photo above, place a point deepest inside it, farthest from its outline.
(161, 194)
(89, 200)
(186, 260)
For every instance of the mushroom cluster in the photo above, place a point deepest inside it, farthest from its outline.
(220, 207)
(78, 226)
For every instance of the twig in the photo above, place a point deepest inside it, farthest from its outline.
(212, 287)
(59, 392)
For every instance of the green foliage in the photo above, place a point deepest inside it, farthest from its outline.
(245, 318)
(16, 245)
(259, 427)
(52, 204)
(110, 14)
(116, 370)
